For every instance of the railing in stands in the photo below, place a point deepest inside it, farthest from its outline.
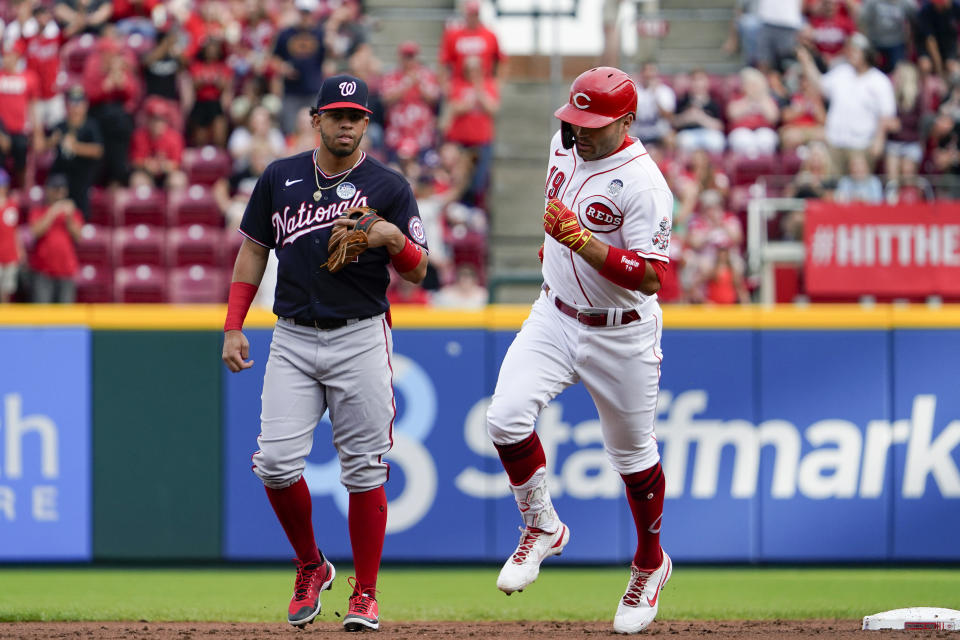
(762, 252)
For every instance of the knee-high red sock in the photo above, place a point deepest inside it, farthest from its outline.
(522, 459)
(294, 510)
(645, 490)
(367, 519)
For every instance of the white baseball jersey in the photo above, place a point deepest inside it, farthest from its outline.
(625, 201)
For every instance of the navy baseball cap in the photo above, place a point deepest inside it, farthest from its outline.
(343, 92)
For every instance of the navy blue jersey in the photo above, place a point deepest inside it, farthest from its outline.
(283, 215)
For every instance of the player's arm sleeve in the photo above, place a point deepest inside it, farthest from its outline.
(405, 215)
(256, 223)
(648, 220)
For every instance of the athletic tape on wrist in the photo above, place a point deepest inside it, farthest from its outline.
(238, 304)
(408, 258)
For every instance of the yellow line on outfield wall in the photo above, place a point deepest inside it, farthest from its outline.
(192, 317)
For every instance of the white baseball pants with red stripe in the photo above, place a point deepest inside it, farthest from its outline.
(618, 365)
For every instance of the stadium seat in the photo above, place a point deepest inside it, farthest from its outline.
(173, 114)
(196, 244)
(42, 162)
(232, 239)
(142, 283)
(95, 246)
(28, 200)
(195, 205)
(102, 212)
(94, 284)
(744, 170)
(74, 53)
(789, 164)
(139, 245)
(206, 165)
(471, 249)
(197, 284)
(142, 205)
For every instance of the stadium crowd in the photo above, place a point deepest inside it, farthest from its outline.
(843, 100)
(132, 132)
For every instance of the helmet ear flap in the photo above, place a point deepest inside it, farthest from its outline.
(566, 134)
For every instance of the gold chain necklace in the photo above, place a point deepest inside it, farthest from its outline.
(316, 176)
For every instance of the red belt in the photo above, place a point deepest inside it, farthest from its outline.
(593, 318)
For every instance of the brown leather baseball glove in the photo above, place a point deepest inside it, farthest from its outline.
(345, 243)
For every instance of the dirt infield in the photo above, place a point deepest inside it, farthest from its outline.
(717, 630)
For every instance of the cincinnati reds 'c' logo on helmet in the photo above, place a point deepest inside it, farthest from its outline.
(598, 97)
(348, 88)
(601, 217)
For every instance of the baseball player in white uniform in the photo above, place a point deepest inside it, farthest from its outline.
(597, 320)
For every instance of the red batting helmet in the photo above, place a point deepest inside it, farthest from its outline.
(598, 97)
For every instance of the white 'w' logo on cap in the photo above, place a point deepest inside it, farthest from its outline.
(348, 88)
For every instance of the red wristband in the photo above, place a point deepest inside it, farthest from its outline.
(624, 268)
(238, 304)
(408, 258)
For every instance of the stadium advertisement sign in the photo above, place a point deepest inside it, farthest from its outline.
(903, 250)
(45, 457)
(770, 454)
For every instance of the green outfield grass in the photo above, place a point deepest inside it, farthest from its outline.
(561, 593)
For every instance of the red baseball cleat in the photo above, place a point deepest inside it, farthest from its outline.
(364, 614)
(312, 578)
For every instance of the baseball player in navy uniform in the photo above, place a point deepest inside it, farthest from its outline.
(332, 345)
(607, 221)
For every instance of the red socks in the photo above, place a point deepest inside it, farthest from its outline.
(522, 459)
(367, 519)
(645, 490)
(294, 509)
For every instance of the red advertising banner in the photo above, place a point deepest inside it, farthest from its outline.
(883, 250)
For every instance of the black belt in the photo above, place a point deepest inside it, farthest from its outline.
(593, 318)
(326, 324)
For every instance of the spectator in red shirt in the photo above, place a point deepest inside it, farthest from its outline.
(11, 248)
(156, 151)
(18, 111)
(803, 117)
(411, 93)
(725, 283)
(56, 227)
(469, 39)
(43, 58)
(827, 30)
(753, 117)
(212, 85)
(712, 230)
(472, 104)
(113, 90)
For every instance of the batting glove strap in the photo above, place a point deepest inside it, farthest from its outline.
(561, 223)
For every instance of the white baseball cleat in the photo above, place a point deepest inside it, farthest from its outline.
(523, 567)
(638, 606)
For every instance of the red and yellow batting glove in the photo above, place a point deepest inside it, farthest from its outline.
(561, 223)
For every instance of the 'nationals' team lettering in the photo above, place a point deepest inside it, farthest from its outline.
(283, 215)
